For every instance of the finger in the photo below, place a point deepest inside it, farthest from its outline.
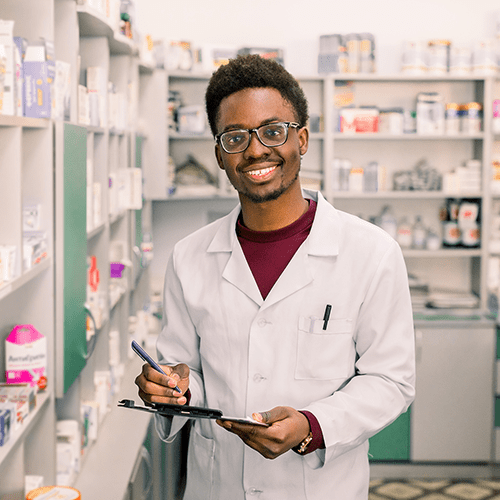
(271, 416)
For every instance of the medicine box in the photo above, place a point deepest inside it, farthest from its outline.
(26, 357)
(5, 418)
(354, 120)
(39, 75)
(22, 395)
(20, 45)
(7, 54)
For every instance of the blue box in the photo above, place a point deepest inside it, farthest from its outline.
(5, 418)
(39, 74)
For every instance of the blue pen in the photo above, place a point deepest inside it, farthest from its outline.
(146, 357)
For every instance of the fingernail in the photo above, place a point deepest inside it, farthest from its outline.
(257, 417)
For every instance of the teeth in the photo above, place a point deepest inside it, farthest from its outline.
(262, 172)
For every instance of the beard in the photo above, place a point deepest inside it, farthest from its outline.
(273, 195)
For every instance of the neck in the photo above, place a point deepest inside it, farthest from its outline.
(274, 214)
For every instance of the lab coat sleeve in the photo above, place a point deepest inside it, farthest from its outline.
(178, 342)
(383, 385)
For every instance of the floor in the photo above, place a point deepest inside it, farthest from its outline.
(439, 489)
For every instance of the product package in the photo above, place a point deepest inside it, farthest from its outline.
(26, 357)
(39, 76)
(5, 419)
(23, 396)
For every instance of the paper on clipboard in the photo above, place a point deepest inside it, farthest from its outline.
(188, 412)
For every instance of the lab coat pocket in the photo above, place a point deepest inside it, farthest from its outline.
(200, 466)
(324, 354)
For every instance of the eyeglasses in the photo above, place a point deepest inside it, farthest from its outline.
(270, 135)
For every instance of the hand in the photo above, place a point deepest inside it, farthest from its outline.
(288, 428)
(154, 387)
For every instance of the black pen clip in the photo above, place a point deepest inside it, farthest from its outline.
(326, 316)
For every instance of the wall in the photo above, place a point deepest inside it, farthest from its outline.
(296, 25)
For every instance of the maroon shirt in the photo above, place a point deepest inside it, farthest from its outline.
(268, 253)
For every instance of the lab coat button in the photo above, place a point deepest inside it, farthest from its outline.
(258, 377)
(262, 322)
(254, 491)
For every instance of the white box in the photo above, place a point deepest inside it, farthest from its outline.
(83, 105)
(6, 40)
(62, 92)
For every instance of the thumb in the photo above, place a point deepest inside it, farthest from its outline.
(180, 371)
(271, 416)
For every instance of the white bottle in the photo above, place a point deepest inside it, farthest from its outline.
(419, 234)
(388, 222)
(405, 237)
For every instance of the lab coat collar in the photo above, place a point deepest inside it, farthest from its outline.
(323, 241)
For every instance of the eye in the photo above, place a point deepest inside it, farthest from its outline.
(274, 131)
(234, 138)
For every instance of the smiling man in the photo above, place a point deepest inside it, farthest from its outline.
(286, 309)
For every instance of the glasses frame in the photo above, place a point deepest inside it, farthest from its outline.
(287, 125)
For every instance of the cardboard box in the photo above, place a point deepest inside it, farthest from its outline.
(39, 76)
(5, 419)
(355, 120)
(8, 55)
(22, 395)
(62, 92)
(20, 45)
(26, 357)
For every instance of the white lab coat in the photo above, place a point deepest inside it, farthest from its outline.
(247, 354)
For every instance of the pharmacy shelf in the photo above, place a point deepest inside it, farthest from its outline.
(378, 136)
(93, 23)
(400, 77)
(18, 436)
(443, 253)
(403, 195)
(21, 121)
(113, 455)
(10, 287)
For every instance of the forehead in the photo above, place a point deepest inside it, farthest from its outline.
(249, 108)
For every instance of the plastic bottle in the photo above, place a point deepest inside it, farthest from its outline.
(388, 221)
(419, 234)
(405, 233)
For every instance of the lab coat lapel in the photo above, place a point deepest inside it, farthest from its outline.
(323, 241)
(296, 275)
(236, 271)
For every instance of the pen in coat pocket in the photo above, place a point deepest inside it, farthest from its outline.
(326, 316)
(148, 359)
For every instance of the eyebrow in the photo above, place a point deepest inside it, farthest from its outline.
(238, 126)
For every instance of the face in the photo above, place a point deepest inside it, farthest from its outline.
(260, 173)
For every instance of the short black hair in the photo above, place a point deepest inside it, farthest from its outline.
(253, 71)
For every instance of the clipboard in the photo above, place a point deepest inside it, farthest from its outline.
(186, 411)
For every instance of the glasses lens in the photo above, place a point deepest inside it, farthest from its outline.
(235, 140)
(273, 134)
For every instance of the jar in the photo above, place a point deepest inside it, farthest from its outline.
(59, 492)
(484, 58)
(414, 58)
(438, 56)
(460, 61)
(452, 118)
(471, 118)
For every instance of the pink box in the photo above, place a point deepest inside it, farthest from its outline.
(26, 357)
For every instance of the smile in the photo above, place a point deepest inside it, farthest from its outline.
(262, 172)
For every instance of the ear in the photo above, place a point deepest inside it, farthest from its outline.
(218, 155)
(303, 135)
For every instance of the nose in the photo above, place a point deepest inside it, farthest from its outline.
(255, 148)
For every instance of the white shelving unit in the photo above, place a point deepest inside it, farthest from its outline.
(395, 152)
(35, 155)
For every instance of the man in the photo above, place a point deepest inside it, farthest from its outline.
(286, 309)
